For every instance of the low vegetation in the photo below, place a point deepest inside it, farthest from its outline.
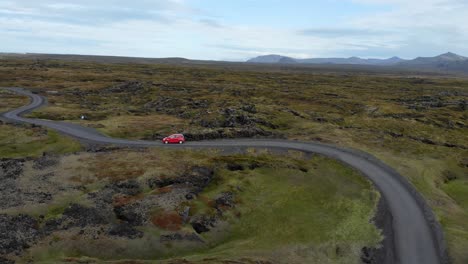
(256, 207)
(9, 100)
(24, 141)
(415, 122)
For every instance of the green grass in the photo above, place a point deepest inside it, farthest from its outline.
(325, 211)
(458, 190)
(24, 141)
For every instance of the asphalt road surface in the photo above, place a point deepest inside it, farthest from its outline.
(417, 235)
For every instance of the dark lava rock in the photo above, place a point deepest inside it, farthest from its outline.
(129, 86)
(52, 225)
(203, 224)
(224, 200)
(209, 123)
(179, 237)
(17, 233)
(124, 230)
(233, 118)
(100, 149)
(464, 163)
(10, 194)
(246, 132)
(448, 176)
(166, 105)
(196, 104)
(102, 197)
(235, 167)
(367, 255)
(11, 168)
(250, 108)
(44, 162)
(198, 177)
(129, 187)
(254, 165)
(129, 214)
(205, 135)
(190, 196)
(38, 197)
(78, 215)
(6, 261)
(463, 105)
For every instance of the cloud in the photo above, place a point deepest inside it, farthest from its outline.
(180, 28)
(341, 32)
(211, 23)
(64, 6)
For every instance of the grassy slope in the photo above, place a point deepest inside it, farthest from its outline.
(19, 141)
(320, 213)
(391, 116)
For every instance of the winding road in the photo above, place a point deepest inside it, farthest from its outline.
(417, 235)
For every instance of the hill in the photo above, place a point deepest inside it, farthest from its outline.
(445, 62)
(351, 60)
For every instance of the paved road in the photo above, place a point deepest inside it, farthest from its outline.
(417, 236)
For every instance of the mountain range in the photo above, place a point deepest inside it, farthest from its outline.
(445, 62)
(448, 62)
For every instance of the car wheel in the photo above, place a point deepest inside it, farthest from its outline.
(180, 142)
(166, 142)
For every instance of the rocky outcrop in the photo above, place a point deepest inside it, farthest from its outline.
(197, 177)
(11, 168)
(78, 215)
(203, 224)
(250, 132)
(224, 200)
(125, 230)
(126, 87)
(44, 162)
(130, 214)
(129, 187)
(10, 171)
(17, 233)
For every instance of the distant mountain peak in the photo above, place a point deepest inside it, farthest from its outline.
(451, 56)
(445, 62)
(272, 58)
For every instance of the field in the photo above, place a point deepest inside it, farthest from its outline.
(130, 204)
(415, 122)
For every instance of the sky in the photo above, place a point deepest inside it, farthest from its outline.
(235, 30)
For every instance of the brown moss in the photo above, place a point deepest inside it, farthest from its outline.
(166, 189)
(168, 220)
(121, 200)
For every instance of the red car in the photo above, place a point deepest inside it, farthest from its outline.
(176, 138)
